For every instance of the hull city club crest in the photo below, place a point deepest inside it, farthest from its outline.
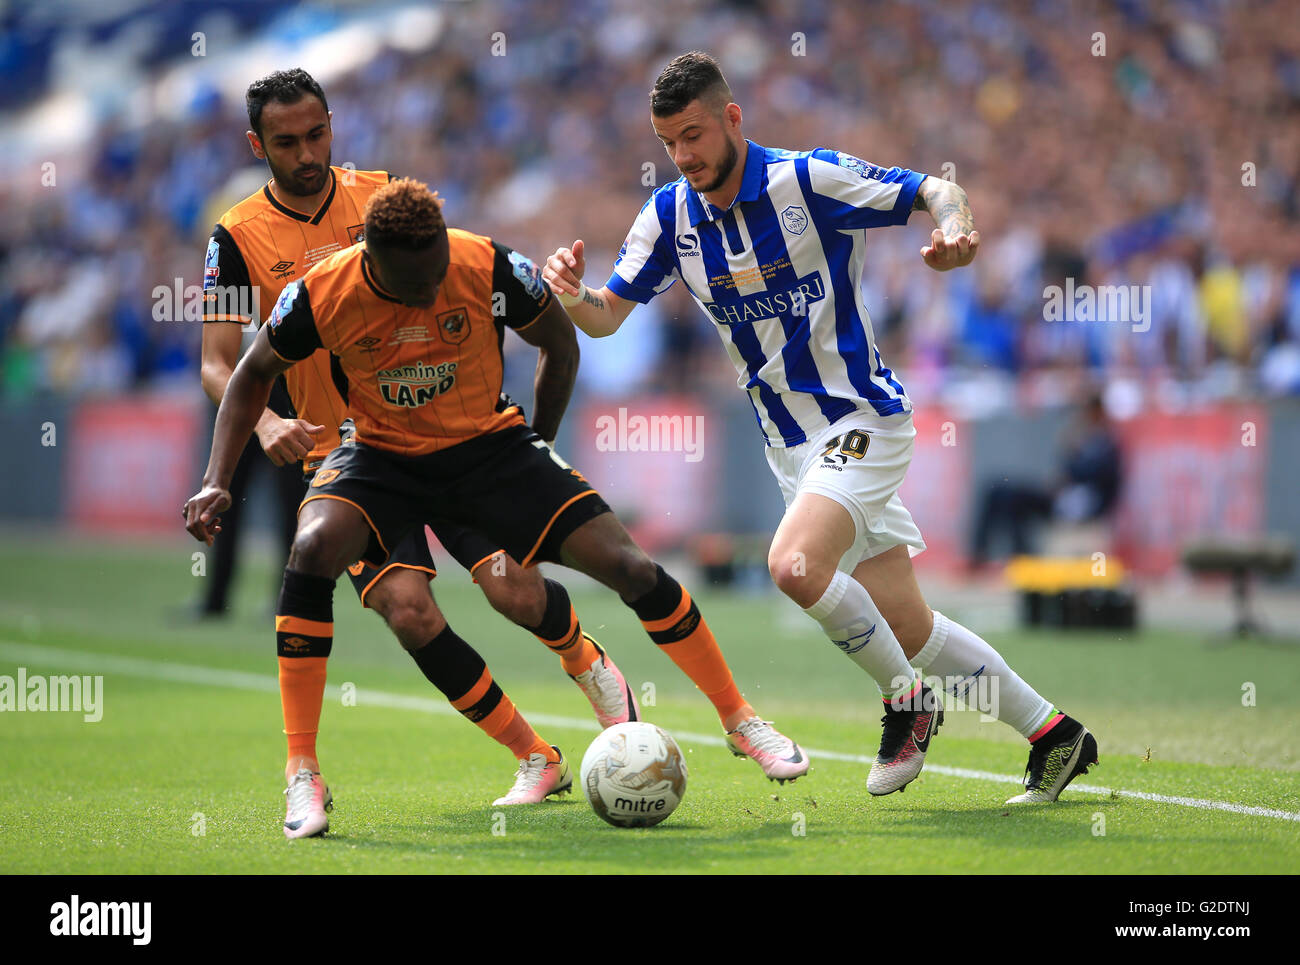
(453, 326)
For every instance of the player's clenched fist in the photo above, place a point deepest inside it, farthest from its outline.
(201, 519)
(287, 440)
(957, 251)
(564, 269)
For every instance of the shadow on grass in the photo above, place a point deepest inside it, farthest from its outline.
(1062, 825)
(568, 830)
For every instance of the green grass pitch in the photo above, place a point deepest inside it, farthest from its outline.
(183, 773)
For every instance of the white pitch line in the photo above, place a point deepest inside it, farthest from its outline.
(85, 660)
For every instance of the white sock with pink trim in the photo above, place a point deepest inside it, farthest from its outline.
(972, 670)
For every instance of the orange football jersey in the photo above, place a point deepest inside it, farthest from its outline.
(417, 379)
(258, 247)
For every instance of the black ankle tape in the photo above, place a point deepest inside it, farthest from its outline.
(306, 596)
(555, 621)
(450, 664)
(662, 600)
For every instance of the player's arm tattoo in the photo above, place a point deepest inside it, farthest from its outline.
(594, 300)
(601, 312)
(947, 204)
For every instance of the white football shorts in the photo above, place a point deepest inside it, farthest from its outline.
(859, 462)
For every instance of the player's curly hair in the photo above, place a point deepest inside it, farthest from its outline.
(283, 87)
(404, 214)
(694, 74)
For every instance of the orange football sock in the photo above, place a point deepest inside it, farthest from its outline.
(576, 651)
(302, 691)
(562, 633)
(456, 668)
(700, 658)
(687, 640)
(304, 636)
(519, 736)
(496, 714)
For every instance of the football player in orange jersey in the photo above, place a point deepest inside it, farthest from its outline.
(433, 438)
(308, 210)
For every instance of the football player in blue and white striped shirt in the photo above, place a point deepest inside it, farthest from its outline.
(771, 244)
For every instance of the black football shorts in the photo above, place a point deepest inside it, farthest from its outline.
(502, 491)
(411, 553)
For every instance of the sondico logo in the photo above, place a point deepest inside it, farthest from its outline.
(411, 386)
(108, 918)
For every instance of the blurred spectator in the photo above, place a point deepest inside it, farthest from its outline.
(1172, 160)
(1086, 489)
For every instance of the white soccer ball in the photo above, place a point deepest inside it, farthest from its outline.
(634, 775)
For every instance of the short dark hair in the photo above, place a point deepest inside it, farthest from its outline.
(690, 76)
(404, 214)
(283, 87)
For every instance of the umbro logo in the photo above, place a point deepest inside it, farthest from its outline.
(686, 626)
(281, 269)
(366, 344)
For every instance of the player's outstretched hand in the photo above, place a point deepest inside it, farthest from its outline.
(288, 440)
(200, 512)
(564, 269)
(943, 253)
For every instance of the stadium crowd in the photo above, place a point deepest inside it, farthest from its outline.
(1146, 144)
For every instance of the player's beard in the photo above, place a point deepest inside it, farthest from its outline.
(727, 165)
(290, 183)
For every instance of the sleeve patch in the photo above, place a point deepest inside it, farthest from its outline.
(284, 304)
(529, 275)
(212, 265)
(860, 167)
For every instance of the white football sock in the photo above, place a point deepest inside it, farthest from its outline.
(962, 659)
(850, 618)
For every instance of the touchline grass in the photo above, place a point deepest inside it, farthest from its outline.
(183, 772)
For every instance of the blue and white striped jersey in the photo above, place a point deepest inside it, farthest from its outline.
(780, 274)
